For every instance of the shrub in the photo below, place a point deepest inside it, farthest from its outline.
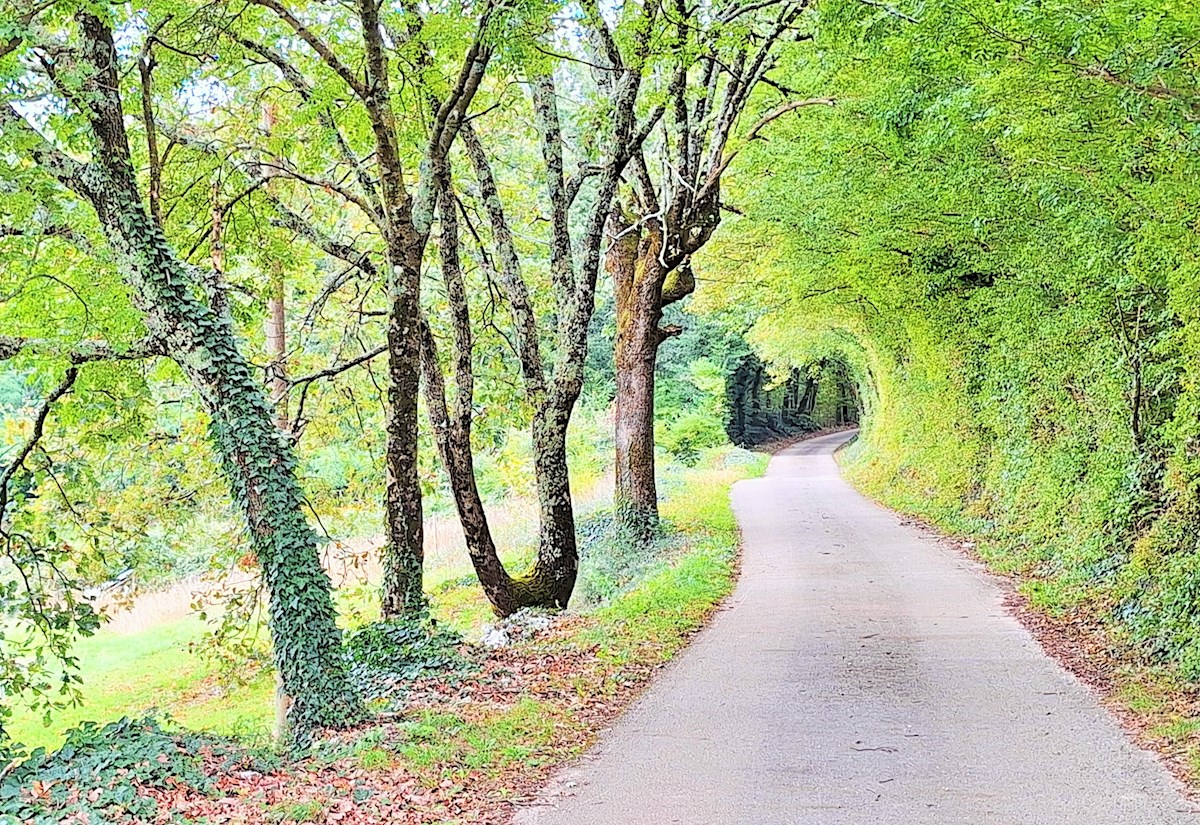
(687, 435)
(386, 656)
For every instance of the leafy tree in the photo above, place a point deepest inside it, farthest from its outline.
(719, 55)
(994, 229)
(77, 145)
(400, 218)
(551, 344)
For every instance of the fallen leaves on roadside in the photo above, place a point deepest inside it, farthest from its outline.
(584, 692)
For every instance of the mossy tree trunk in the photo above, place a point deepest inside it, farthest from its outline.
(552, 578)
(256, 458)
(639, 275)
(551, 390)
(667, 220)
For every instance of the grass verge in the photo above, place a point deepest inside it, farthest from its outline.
(463, 749)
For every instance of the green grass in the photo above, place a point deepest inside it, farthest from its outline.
(645, 626)
(128, 674)
(374, 759)
(440, 746)
(289, 812)
(657, 617)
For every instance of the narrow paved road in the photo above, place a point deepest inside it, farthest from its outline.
(861, 675)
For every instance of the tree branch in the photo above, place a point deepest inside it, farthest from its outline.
(714, 177)
(31, 443)
(549, 129)
(82, 353)
(58, 164)
(303, 88)
(517, 292)
(318, 45)
(13, 43)
(338, 369)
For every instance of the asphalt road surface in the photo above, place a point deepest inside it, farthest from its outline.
(862, 674)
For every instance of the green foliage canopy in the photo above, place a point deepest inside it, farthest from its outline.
(996, 227)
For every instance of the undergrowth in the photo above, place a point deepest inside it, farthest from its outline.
(637, 605)
(387, 656)
(612, 557)
(106, 773)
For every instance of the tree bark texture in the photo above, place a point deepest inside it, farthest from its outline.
(404, 554)
(550, 582)
(257, 459)
(673, 217)
(637, 287)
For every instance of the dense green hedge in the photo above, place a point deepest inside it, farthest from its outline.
(996, 226)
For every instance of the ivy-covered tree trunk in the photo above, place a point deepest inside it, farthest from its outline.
(257, 459)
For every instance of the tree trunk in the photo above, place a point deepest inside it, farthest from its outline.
(550, 582)
(635, 357)
(552, 579)
(453, 440)
(404, 554)
(257, 460)
(277, 387)
(276, 333)
(809, 402)
(633, 263)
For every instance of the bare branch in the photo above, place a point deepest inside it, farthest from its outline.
(146, 64)
(297, 425)
(331, 285)
(318, 45)
(1158, 91)
(338, 369)
(304, 89)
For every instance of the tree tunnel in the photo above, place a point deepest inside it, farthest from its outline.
(767, 402)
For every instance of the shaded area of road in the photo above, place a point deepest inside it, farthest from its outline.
(862, 674)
